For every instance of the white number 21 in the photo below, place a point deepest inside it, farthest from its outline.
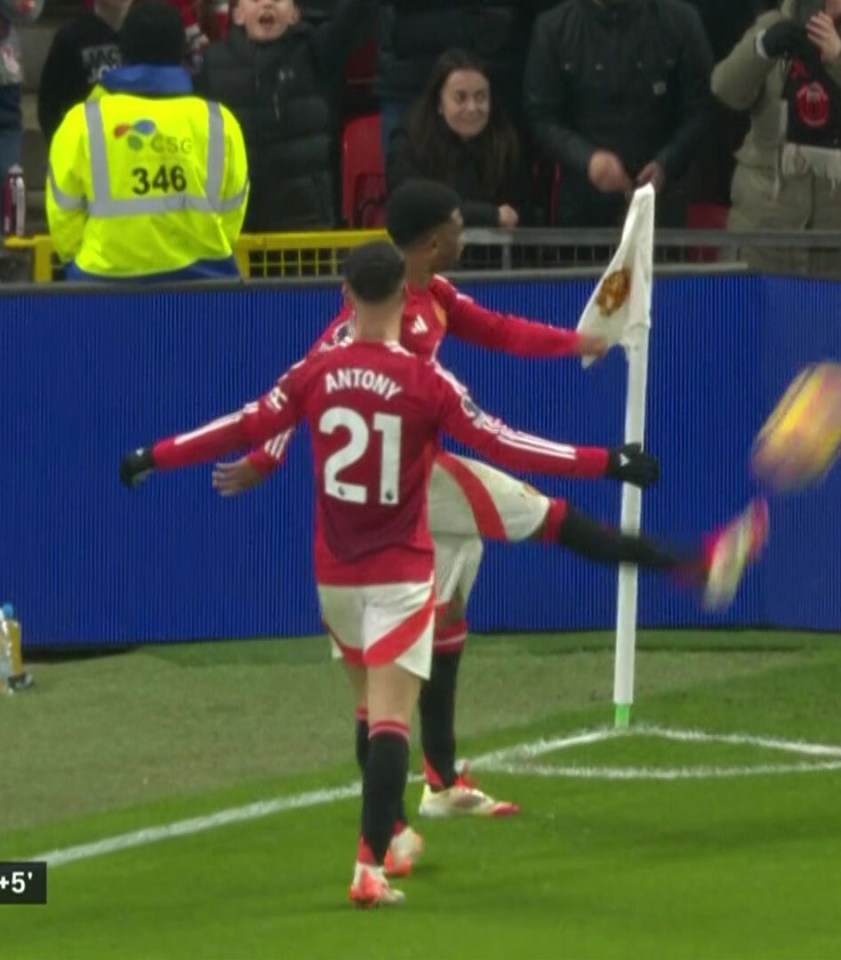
(390, 427)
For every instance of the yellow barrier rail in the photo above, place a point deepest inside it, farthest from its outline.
(259, 255)
(305, 254)
(42, 254)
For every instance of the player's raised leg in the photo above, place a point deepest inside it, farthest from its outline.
(503, 508)
(716, 569)
(469, 499)
(730, 550)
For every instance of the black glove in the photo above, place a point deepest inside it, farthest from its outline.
(136, 466)
(630, 464)
(784, 39)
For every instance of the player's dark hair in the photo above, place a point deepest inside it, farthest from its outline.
(416, 208)
(375, 271)
(153, 33)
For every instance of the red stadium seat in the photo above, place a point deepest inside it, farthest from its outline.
(363, 173)
(705, 216)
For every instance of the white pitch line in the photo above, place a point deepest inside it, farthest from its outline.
(251, 811)
(539, 747)
(742, 739)
(654, 773)
(183, 828)
(497, 760)
(527, 751)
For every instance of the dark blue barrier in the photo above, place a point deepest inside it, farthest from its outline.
(85, 377)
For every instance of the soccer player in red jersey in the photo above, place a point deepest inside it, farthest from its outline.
(468, 500)
(375, 411)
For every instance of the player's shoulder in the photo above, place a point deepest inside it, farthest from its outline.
(397, 350)
(445, 289)
(321, 355)
(339, 330)
(441, 376)
(442, 286)
(328, 352)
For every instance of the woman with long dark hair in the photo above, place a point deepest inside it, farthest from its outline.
(457, 133)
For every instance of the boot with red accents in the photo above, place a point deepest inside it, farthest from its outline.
(462, 799)
(403, 852)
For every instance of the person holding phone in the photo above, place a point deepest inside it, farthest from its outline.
(786, 72)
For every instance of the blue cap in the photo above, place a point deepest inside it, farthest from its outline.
(8, 611)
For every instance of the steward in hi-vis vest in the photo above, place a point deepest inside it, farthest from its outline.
(145, 180)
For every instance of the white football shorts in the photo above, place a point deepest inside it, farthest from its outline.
(468, 498)
(373, 625)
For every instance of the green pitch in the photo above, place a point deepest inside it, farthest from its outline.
(711, 830)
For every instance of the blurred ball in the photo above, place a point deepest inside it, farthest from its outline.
(801, 439)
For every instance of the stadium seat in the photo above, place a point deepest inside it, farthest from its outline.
(363, 173)
(705, 216)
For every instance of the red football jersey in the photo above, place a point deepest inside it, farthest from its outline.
(430, 313)
(375, 411)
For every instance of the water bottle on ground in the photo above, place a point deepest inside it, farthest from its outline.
(6, 667)
(12, 675)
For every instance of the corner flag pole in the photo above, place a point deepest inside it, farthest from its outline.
(619, 310)
(626, 602)
(639, 233)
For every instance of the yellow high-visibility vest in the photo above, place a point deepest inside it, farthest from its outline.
(143, 187)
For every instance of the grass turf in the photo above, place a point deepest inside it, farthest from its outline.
(691, 868)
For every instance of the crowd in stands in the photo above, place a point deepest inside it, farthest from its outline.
(538, 112)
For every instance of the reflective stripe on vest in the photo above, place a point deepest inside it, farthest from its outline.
(65, 201)
(105, 204)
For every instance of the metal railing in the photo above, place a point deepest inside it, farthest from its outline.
(550, 249)
(321, 254)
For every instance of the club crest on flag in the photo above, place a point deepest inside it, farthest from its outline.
(613, 291)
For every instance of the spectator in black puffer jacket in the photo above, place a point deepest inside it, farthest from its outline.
(412, 34)
(618, 93)
(281, 78)
(457, 133)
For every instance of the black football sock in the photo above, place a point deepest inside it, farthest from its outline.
(438, 716)
(383, 784)
(362, 741)
(609, 545)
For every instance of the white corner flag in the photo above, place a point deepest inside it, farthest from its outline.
(620, 311)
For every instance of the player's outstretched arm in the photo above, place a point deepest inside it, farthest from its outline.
(275, 412)
(238, 476)
(462, 419)
(510, 334)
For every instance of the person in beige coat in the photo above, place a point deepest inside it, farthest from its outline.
(786, 70)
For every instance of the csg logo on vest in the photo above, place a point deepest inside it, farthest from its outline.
(162, 174)
(145, 133)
